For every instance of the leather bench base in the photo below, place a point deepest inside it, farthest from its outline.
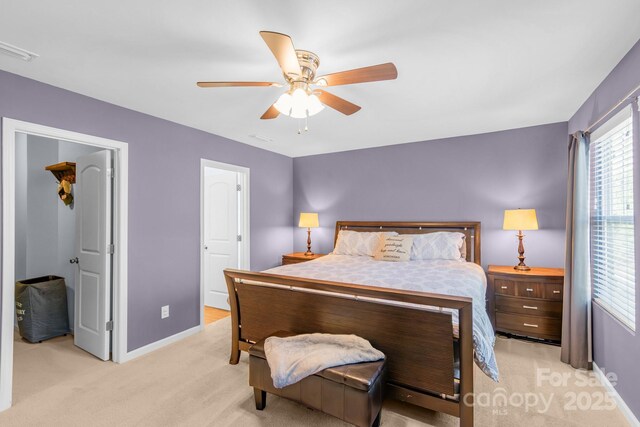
(354, 406)
(341, 399)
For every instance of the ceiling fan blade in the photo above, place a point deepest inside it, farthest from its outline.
(234, 84)
(337, 103)
(271, 113)
(373, 73)
(282, 48)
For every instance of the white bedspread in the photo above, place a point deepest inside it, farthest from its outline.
(436, 276)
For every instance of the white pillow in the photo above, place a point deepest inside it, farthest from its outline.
(359, 243)
(394, 248)
(438, 245)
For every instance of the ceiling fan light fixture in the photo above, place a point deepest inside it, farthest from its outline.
(283, 104)
(298, 104)
(314, 105)
(299, 71)
(299, 101)
(299, 98)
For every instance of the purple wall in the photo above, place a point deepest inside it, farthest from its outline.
(164, 198)
(466, 178)
(615, 348)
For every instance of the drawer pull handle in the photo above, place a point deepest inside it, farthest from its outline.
(530, 325)
(503, 287)
(529, 307)
(529, 289)
(556, 292)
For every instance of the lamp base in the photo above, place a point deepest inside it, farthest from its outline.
(521, 265)
(308, 253)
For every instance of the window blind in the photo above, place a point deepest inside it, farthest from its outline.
(611, 218)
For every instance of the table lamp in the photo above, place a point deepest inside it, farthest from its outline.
(520, 219)
(308, 220)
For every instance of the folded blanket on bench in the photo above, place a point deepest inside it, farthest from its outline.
(293, 358)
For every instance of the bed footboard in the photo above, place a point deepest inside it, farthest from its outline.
(409, 327)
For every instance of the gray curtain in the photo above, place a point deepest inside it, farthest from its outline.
(576, 316)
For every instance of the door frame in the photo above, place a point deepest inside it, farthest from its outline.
(244, 210)
(120, 240)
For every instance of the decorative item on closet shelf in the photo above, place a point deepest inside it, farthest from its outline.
(298, 257)
(65, 173)
(308, 220)
(63, 170)
(520, 219)
(526, 303)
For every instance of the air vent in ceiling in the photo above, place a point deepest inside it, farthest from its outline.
(17, 52)
(262, 138)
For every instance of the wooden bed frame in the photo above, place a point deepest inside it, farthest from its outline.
(427, 365)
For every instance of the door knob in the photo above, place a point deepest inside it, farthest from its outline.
(74, 260)
(206, 247)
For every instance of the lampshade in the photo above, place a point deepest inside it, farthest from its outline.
(308, 220)
(520, 219)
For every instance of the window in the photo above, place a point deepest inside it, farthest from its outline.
(611, 218)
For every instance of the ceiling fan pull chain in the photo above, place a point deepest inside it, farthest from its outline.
(306, 122)
(299, 130)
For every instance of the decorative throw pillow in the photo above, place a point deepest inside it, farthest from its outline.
(394, 248)
(359, 243)
(463, 249)
(438, 245)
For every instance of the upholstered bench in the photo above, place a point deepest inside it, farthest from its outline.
(352, 393)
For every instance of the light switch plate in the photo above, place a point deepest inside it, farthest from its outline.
(164, 313)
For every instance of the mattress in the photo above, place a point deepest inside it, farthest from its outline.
(455, 278)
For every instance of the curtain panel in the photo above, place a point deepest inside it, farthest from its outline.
(576, 316)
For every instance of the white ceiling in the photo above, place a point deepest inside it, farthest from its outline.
(465, 67)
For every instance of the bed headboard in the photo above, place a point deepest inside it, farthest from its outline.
(471, 230)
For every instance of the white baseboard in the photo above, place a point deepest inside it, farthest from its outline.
(626, 411)
(159, 344)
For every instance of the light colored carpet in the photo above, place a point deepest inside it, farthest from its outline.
(190, 383)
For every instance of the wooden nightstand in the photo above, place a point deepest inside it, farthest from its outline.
(527, 303)
(297, 257)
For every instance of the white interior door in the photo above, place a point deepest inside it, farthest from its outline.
(221, 225)
(93, 239)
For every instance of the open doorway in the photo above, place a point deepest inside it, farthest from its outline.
(59, 279)
(64, 216)
(224, 232)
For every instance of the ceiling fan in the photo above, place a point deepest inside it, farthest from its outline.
(299, 70)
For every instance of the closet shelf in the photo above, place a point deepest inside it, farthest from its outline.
(63, 170)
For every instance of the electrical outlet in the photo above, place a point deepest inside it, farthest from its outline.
(164, 312)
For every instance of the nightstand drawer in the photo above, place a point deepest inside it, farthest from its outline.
(525, 306)
(553, 291)
(532, 326)
(505, 287)
(530, 289)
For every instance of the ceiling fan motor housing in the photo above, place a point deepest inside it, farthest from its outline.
(309, 63)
